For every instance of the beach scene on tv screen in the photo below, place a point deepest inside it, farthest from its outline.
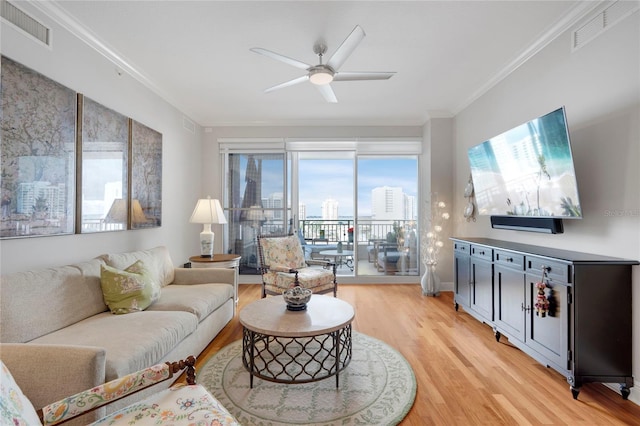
(527, 171)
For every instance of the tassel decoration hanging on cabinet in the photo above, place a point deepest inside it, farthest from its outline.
(542, 303)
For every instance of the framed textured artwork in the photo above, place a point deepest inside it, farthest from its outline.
(104, 150)
(146, 177)
(37, 153)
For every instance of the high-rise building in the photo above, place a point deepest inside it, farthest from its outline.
(274, 201)
(330, 209)
(387, 203)
(302, 212)
(49, 199)
(410, 207)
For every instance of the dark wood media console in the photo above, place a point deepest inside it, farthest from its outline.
(583, 328)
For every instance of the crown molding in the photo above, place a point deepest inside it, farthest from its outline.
(59, 15)
(62, 18)
(563, 24)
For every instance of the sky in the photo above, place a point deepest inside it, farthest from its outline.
(333, 179)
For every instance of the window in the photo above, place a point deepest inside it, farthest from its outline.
(356, 195)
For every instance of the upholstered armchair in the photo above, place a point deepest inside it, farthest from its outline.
(283, 265)
(181, 405)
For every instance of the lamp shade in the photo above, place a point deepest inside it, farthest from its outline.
(255, 214)
(208, 211)
(117, 212)
(137, 214)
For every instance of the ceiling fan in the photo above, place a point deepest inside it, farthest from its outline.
(323, 74)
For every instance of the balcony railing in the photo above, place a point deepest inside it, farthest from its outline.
(366, 240)
(367, 230)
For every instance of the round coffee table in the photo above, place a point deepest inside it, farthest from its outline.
(285, 346)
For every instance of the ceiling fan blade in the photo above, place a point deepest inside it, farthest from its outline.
(327, 93)
(288, 83)
(351, 76)
(281, 58)
(346, 48)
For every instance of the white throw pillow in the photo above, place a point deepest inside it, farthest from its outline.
(15, 408)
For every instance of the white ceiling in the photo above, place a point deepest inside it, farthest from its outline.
(195, 54)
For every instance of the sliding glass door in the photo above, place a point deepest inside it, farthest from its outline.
(387, 220)
(357, 210)
(255, 203)
(326, 206)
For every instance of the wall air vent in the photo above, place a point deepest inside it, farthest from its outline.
(607, 18)
(188, 124)
(25, 22)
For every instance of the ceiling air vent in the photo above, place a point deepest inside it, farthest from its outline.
(25, 22)
(604, 20)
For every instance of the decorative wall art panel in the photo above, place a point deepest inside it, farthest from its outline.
(104, 148)
(37, 153)
(146, 176)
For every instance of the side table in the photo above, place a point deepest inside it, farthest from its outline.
(344, 257)
(220, 261)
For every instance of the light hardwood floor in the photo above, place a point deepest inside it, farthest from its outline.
(464, 377)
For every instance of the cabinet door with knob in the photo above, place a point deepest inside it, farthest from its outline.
(461, 271)
(547, 329)
(510, 307)
(482, 282)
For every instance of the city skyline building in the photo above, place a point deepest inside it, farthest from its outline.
(410, 207)
(51, 199)
(330, 209)
(387, 203)
(274, 201)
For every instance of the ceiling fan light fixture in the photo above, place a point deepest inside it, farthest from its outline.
(321, 76)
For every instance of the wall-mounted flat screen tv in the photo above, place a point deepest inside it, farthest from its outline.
(527, 171)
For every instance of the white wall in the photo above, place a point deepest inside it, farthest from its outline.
(441, 183)
(599, 85)
(73, 64)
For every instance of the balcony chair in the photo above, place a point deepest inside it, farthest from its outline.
(178, 405)
(372, 249)
(283, 265)
(388, 257)
(313, 247)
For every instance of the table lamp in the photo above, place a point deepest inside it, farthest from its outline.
(137, 214)
(117, 212)
(207, 211)
(255, 216)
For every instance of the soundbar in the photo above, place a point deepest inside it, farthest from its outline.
(544, 225)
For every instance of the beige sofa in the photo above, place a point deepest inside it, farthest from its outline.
(58, 336)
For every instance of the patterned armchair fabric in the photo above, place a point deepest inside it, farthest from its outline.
(188, 405)
(92, 398)
(15, 408)
(283, 265)
(182, 405)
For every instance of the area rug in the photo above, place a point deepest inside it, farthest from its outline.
(378, 387)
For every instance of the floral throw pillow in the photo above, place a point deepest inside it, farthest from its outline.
(131, 290)
(15, 408)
